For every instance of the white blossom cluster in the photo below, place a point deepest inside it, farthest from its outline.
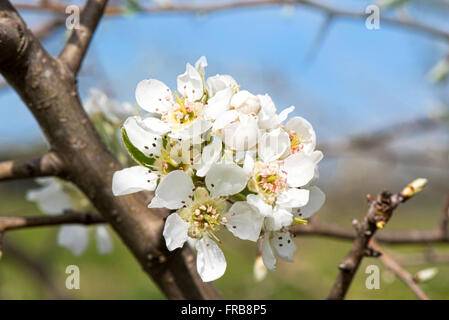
(221, 158)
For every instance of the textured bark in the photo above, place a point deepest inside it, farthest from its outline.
(379, 211)
(48, 87)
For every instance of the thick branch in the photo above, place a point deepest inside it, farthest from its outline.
(68, 217)
(403, 274)
(49, 90)
(80, 38)
(47, 165)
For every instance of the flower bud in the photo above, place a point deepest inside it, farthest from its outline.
(425, 275)
(413, 188)
(245, 102)
(260, 271)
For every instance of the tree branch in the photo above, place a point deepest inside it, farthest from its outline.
(403, 274)
(68, 217)
(211, 7)
(76, 47)
(317, 228)
(47, 165)
(379, 212)
(49, 90)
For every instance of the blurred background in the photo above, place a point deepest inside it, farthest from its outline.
(378, 100)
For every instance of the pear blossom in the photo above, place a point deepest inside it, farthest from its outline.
(221, 158)
(182, 116)
(54, 197)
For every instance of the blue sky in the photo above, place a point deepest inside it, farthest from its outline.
(359, 80)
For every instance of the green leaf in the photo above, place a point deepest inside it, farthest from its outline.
(135, 153)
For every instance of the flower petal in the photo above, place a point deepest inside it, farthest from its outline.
(218, 104)
(268, 258)
(284, 246)
(197, 128)
(316, 201)
(210, 155)
(201, 63)
(155, 125)
(153, 96)
(280, 218)
(302, 127)
(190, 84)
(300, 169)
(273, 144)
(225, 119)
(175, 231)
(267, 112)
(104, 241)
(259, 204)
(74, 237)
(133, 179)
(284, 114)
(146, 141)
(225, 179)
(173, 191)
(50, 198)
(293, 198)
(243, 221)
(241, 135)
(210, 260)
(220, 82)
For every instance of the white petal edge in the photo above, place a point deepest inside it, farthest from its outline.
(153, 96)
(74, 237)
(133, 179)
(225, 179)
(173, 191)
(104, 240)
(210, 260)
(243, 221)
(175, 231)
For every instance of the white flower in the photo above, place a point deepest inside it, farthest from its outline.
(316, 201)
(279, 242)
(176, 189)
(197, 150)
(50, 198)
(54, 197)
(219, 82)
(182, 116)
(198, 221)
(302, 136)
(245, 102)
(267, 117)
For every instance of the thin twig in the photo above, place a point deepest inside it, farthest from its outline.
(35, 267)
(379, 212)
(211, 7)
(400, 272)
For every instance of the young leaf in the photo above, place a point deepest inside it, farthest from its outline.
(135, 153)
